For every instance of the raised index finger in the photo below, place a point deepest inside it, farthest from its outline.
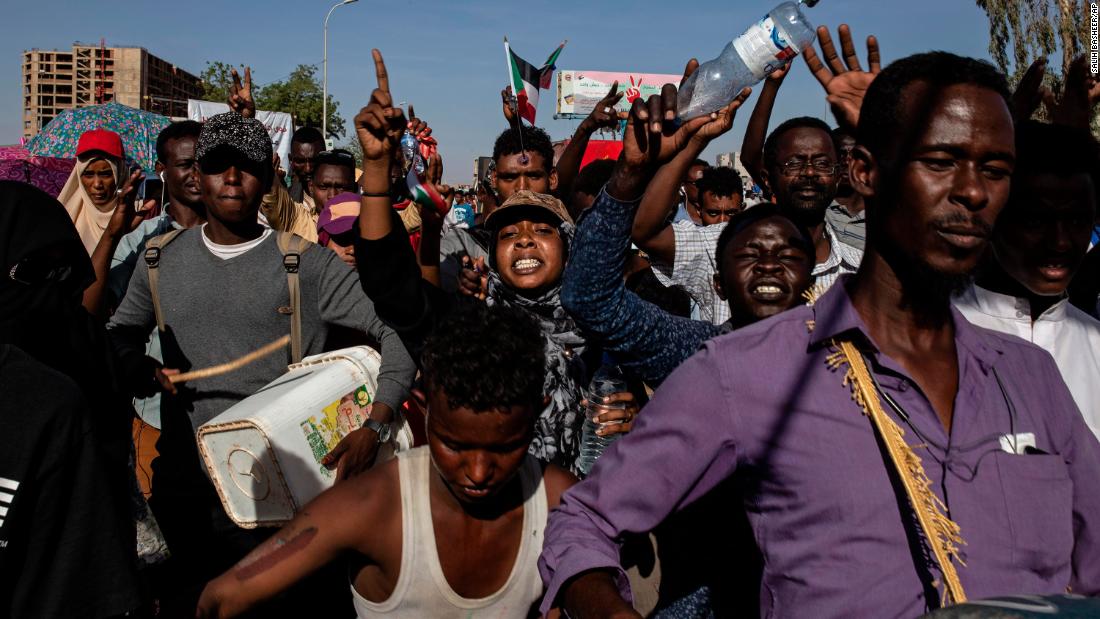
(380, 71)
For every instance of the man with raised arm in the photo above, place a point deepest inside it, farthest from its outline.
(987, 484)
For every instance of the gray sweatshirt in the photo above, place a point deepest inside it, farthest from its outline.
(218, 310)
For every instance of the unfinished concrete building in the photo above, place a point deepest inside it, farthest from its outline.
(89, 74)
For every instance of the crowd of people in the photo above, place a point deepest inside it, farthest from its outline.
(870, 391)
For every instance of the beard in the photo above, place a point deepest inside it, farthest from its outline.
(808, 210)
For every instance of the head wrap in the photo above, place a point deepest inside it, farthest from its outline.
(558, 428)
(90, 222)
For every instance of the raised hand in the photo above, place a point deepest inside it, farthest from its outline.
(473, 278)
(126, 216)
(240, 94)
(846, 82)
(652, 136)
(604, 115)
(1079, 97)
(506, 103)
(379, 125)
(722, 120)
(1030, 92)
(779, 74)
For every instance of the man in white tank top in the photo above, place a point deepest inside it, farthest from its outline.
(451, 529)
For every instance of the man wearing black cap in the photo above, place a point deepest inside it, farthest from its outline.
(223, 292)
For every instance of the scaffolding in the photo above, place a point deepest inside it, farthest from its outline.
(88, 74)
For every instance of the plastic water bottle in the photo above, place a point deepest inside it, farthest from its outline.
(766, 46)
(608, 380)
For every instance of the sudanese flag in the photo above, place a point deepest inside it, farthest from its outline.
(526, 80)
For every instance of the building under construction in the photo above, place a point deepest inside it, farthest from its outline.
(57, 80)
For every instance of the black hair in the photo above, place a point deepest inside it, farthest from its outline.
(771, 145)
(175, 131)
(594, 176)
(673, 299)
(486, 358)
(702, 162)
(534, 140)
(721, 181)
(1056, 149)
(885, 120)
(335, 157)
(749, 217)
(307, 135)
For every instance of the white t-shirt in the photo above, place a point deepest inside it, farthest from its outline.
(225, 252)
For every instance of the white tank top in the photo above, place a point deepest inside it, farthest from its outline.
(422, 589)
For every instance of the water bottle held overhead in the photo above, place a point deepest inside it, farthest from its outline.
(766, 46)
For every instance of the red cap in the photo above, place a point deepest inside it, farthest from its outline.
(101, 140)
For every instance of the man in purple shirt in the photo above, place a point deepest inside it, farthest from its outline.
(988, 415)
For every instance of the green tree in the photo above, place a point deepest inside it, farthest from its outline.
(216, 80)
(1035, 28)
(300, 95)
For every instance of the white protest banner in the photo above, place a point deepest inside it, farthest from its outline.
(279, 125)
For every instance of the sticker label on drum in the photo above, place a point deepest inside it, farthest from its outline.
(334, 422)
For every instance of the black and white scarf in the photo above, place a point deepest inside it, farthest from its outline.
(558, 428)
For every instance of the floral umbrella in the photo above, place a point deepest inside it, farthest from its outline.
(47, 173)
(138, 128)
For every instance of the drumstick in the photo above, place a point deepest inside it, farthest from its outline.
(225, 368)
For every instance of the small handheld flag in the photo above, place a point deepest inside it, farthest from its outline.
(526, 80)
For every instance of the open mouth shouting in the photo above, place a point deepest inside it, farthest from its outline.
(768, 290)
(526, 266)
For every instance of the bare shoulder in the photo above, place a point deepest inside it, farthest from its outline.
(360, 506)
(557, 481)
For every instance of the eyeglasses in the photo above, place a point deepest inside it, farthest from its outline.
(795, 167)
(36, 270)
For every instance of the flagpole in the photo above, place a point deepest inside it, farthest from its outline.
(512, 102)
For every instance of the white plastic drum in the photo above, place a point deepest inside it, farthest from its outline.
(264, 454)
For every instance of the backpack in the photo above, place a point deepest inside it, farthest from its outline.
(291, 247)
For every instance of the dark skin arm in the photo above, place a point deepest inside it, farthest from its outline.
(752, 148)
(651, 230)
(651, 140)
(1073, 108)
(569, 164)
(845, 82)
(124, 220)
(327, 526)
(431, 223)
(378, 126)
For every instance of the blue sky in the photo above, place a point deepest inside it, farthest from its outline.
(446, 57)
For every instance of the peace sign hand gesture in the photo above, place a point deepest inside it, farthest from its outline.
(240, 95)
(604, 115)
(379, 125)
(845, 86)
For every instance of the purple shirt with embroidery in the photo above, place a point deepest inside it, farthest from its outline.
(761, 404)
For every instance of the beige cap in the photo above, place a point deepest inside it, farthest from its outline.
(530, 198)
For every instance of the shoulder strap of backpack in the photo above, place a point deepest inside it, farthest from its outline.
(292, 246)
(153, 248)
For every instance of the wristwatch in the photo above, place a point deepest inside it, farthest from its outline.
(381, 429)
